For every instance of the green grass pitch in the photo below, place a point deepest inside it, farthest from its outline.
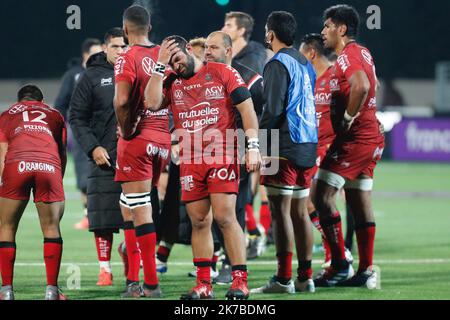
(412, 250)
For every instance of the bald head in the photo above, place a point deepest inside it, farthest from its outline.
(226, 39)
(218, 47)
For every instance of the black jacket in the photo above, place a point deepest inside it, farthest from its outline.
(93, 122)
(68, 82)
(253, 56)
(91, 115)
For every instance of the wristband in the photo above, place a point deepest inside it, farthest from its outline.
(253, 144)
(348, 117)
(159, 69)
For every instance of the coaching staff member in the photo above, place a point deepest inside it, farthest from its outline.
(94, 125)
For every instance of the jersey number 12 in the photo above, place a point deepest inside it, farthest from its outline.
(39, 118)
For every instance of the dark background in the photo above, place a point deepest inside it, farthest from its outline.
(414, 34)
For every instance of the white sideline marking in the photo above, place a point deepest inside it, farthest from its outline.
(253, 263)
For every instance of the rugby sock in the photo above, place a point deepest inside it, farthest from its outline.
(332, 228)
(103, 243)
(133, 253)
(52, 257)
(314, 216)
(7, 259)
(239, 271)
(365, 234)
(146, 237)
(265, 217)
(304, 270)
(284, 272)
(251, 221)
(163, 252)
(203, 270)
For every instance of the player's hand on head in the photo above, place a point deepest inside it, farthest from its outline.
(167, 50)
(101, 156)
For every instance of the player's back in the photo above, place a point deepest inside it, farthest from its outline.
(33, 131)
(135, 66)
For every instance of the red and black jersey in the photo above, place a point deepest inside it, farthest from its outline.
(206, 101)
(34, 132)
(135, 66)
(352, 59)
(323, 101)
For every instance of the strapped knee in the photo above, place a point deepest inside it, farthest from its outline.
(136, 200)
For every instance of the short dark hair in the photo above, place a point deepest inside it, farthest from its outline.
(343, 14)
(315, 40)
(180, 41)
(226, 39)
(113, 33)
(88, 44)
(30, 92)
(243, 20)
(137, 15)
(284, 25)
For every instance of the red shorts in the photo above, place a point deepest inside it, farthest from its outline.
(351, 159)
(140, 160)
(288, 175)
(198, 181)
(45, 179)
(321, 153)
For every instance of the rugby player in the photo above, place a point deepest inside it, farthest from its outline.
(201, 100)
(142, 150)
(289, 107)
(218, 48)
(32, 158)
(352, 158)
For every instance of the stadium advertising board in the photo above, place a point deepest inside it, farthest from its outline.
(421, 140)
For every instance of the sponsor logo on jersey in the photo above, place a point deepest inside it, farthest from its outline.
(334, 85)
(178, 94)
(237, 75)
(323, 98)
(157, 151)
(160, 113)
(193, 86)
(37, 128)
(118, 67)
(17, 109)
(367, 56)
(106, 82)
(177, 82)
(223, 174)
(200, 116)
(187, 183)
(373, 102)
(25, 166)
(148, 65)
(343, 62)
(215, 92)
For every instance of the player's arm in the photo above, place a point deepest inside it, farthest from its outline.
(359, 90)
(154, 97)
(122, 109)
(276, 83)
(3, 151)
(250, 123)
(62, 147)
